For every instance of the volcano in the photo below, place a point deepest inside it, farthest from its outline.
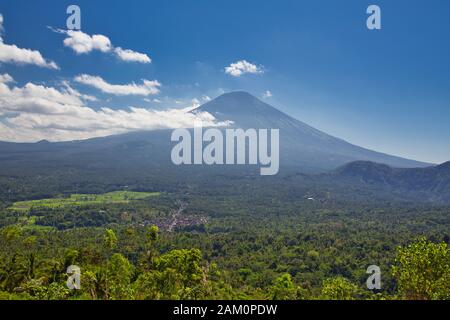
(301, 146)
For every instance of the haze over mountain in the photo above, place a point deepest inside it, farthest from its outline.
(301, 146)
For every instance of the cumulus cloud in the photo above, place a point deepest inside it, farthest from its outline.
(132, 56)
(76, 93)
(14, 54)
(241, 67)
(83, 43)
(35, 112)
(267, 94)
(10, 53)
(6, 78)
(36, 99)
(145, 89)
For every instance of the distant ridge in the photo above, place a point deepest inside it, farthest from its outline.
(432, 181)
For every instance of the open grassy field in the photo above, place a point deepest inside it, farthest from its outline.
(118, 197)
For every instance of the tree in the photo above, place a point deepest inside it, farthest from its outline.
(422, 270)
(181, 274)
(110, 239)
(110, 243)
(90, 284)
(41, 291)
(120, 272)
(283, 288)
(147, 287)
(151, 236)
(339, 288)
(14, 268)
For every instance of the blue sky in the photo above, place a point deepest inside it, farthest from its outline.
(388, 89)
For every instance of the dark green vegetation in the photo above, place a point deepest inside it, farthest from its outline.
(220, 236)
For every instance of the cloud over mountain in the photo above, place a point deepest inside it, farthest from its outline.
(35, 112)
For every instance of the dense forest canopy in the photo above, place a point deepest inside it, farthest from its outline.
(229, 237)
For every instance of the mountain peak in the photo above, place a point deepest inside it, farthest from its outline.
(237, 95)
(240, 102)
(244, 110)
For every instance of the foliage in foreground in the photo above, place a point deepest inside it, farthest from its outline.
(421, 271)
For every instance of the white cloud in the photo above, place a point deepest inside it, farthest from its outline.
(75, 93)
(10, 53)
(195, 103)
(83, 43)
(39, 99)
(145, 89)
(132, 56)
(34, 112)
(6, 78)
(13, 54)
(267, 94)
(241, 67)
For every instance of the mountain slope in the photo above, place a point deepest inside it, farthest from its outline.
(300, 144)
(431, 178)
(431, 183)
